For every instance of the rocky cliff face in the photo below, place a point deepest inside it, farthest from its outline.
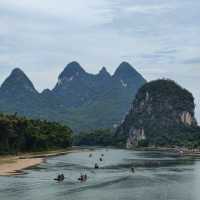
(161, 114)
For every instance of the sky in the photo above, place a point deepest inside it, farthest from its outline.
(159, 38)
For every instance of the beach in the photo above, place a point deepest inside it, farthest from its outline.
(14, 165)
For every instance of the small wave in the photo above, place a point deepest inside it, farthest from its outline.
(149, 163)
(97, 185)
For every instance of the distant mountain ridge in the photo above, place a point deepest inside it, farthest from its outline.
(18, 81)
(82, 100)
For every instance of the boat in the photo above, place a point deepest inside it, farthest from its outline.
(83, 178)
(60, 178)
(132, 169)
(96, 166)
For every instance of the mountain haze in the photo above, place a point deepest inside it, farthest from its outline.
(82, 100)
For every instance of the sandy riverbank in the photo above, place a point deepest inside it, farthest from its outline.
(14, 165)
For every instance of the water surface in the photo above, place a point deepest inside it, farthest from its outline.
(158, 176)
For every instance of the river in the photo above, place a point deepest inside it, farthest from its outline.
(158, 176)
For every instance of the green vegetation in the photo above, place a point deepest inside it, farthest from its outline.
(19, 134)
(165, 111)
(143, 143)
(168, 91)
(182, 136)
(100, 137)
(81, 100)
(163, 126)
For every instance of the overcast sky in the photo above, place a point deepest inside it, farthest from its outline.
(159, 38)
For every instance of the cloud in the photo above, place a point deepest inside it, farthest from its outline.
(192, 61)
(160, 39)
(88, 12)
(161, 56)
(149, 9)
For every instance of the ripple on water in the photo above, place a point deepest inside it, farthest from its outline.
(158, 177)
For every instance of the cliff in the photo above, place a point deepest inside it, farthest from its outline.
(162, 113)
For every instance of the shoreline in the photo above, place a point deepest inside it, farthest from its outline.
(178, 151)
(14, 165)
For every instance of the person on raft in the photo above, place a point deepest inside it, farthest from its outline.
(83, 177)
(60, 177)
(96, 166)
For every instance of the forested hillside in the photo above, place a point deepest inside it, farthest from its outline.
(162, 114)
(81, 100)
(19, 134)
(99, 137)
